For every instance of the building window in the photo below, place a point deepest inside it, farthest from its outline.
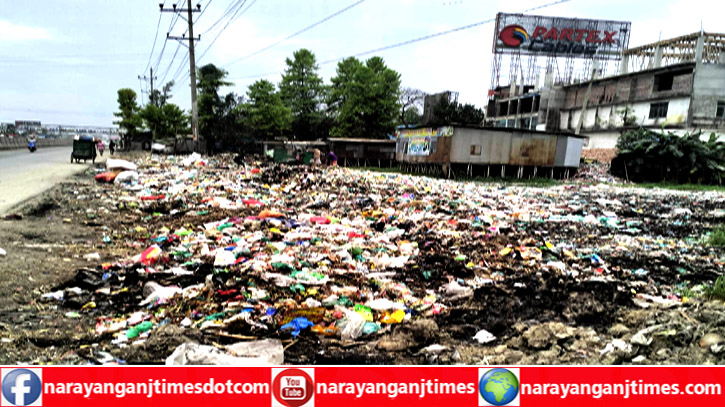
(663, 82)
(658, 110)
(475, 149)
(720, 109)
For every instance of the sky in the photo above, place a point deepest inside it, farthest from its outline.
(62, 62)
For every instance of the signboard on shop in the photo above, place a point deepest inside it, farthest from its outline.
(560, 37)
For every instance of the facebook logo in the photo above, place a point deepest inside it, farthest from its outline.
(22, 387)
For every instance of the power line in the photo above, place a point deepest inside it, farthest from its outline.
(411, 41)
(226, 12)
(153, 47)
(174, 19)
(192, 61)
(180, 69)
(163, 78)
(236, 15)
(309, 27)
(178, 46)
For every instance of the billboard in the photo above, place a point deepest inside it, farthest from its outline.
(422, 141)
(560, 37)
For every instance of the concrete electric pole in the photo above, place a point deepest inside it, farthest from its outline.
(192, 64)
(151, 78)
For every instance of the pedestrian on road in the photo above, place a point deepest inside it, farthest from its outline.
(100, 147)
(112, 146)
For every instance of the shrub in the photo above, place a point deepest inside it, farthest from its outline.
(649, 156)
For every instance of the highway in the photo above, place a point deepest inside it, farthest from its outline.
(24, 174)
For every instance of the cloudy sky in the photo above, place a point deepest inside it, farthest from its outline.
(63, 61)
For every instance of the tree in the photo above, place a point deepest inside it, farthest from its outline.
(451, 112)
(412, 116)
(410, 98)
(345, 100)
(129, 121)
(165, 120)
(159, 98)
(302, 90)
(210, 105)
(266, 114)
(364, 99)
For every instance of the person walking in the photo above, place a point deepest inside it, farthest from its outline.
(100, 147)
(112, 146)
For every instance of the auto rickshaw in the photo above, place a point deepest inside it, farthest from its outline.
(84, 148)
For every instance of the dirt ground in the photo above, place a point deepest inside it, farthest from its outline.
(535, 317)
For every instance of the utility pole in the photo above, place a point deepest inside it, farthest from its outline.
(151, 78)
(192, 64)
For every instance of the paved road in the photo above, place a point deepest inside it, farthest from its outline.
(24, 174)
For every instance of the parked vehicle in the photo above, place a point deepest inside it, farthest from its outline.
(84, 148)
(31, 146)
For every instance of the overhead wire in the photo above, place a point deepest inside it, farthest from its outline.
(411, 41)
(225, 13)
(309, 27)
(156, 36)
(178, 45)
(174, 19)
(237, 12)
(236, 15)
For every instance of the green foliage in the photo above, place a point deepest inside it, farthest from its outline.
(303, 91)
(716, 237)
(363, 99)
(265, 113)
(646, 155)
(218, 117)
(159, 98)
(451, 112)
(412, 116)
(165, 120)
(129, 121)
(717, 290)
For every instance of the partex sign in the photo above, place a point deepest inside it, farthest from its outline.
(556, 36)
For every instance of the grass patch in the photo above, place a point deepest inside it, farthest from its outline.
(717, 237)
(392, 170)
(676, 187)
(534, 182)
(717, 290)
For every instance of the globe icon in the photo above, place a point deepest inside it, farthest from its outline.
(498, 387)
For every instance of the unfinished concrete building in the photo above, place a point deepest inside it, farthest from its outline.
(678, 84)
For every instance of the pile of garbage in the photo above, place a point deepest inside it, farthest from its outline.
(282, 263)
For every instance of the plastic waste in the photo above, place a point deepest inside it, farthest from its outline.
(155, 293)
(353, 326)
(454, 291)
(3, 252)
(92, 257)
(296, 325)
(150, 256)
(483, 336)
(107, 177)
(126, 177)
(137, 330)
(264, 352)
(116, 164)
(393, 318)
